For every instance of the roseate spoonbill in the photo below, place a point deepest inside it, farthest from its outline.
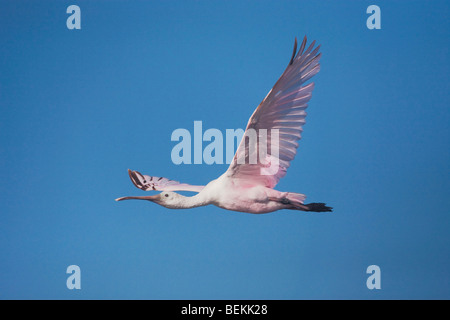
(245, 186)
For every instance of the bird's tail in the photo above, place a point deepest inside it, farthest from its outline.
(297, 199)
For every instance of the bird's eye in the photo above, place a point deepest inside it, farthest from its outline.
(166, 195)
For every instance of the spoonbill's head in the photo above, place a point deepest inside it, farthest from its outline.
(166, 199)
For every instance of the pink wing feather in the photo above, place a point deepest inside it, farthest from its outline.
(148, 183)
(284, 109)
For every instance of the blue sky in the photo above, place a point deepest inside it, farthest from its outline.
(80, 107)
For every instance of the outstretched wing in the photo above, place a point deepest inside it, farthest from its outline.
(148, 183)
(283, 109)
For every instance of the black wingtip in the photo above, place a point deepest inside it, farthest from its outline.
(294, 52)
(134, 178)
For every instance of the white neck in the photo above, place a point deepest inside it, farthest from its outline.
(183, 202)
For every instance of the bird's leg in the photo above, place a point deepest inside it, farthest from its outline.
(295, 205)
(311, 207)
(288, 202)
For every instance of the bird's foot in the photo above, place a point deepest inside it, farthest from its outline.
(318, 207)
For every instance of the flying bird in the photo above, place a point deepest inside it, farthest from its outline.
(248, 186)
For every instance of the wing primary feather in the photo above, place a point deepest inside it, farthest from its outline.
(294, 52)
(302, 47)
(135, 179)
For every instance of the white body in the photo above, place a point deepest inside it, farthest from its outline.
(225, 193)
